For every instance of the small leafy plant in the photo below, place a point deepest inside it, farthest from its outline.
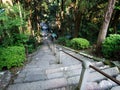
(111, 46)
(11, 56)
(79, 43)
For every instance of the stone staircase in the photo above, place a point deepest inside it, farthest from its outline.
(65, 78)
(43, 73)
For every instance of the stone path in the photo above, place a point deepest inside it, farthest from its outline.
(43, 73)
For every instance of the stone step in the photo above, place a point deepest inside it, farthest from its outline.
(65, 68)
(98, 64)
(107, 84)
(102, 85)
(37, 74)
(118, 77)
(96, 76)
(73, 80)
(71, 74)
(101, 68)
(116, 88)
(40, 85)
(55, 75)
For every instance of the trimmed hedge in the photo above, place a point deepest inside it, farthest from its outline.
(11, 56)
(79, 43)
(111, 47)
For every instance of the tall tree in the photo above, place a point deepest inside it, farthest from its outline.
(104, 27)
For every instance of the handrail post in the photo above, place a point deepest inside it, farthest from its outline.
(59, 56)
(84, 74)
(54, 46)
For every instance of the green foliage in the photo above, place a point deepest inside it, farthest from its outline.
(117, 6)
(10, 21)
(63, 40)
(75, 43)
(11, 56)
(14, 39)
(19, 39)
(86, 30)
(111, 46)
(79, 43)
(31, 44)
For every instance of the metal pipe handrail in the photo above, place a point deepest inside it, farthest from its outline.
(98, 70)
(72, 56)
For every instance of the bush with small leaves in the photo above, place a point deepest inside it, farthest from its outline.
(11, 56)
(79, 43)
(111, 46)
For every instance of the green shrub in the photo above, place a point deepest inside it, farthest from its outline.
(111, 46)
(79, 43)
(11, 56)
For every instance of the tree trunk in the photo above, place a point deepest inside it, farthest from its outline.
(78, 17)
(103, 30)
(77, 24)
(21, 17)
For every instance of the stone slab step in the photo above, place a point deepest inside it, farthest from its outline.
(98, 64)
(40, 85)
(101, 68)
(72, 73)
(92, 86)
(61, 69)
(106, 84)
(96, 76)
(55, 75)
(116, 88)
(35, 77)
(73, 80)
(66, 74)
(118, 77)
(103, 85)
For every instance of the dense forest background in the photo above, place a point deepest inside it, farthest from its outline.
(97, 21)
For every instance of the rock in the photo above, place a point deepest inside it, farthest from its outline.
(116, 88)
(5, 78)
(105, 85)
(112, 82)
(118, 77)
(92, 86)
